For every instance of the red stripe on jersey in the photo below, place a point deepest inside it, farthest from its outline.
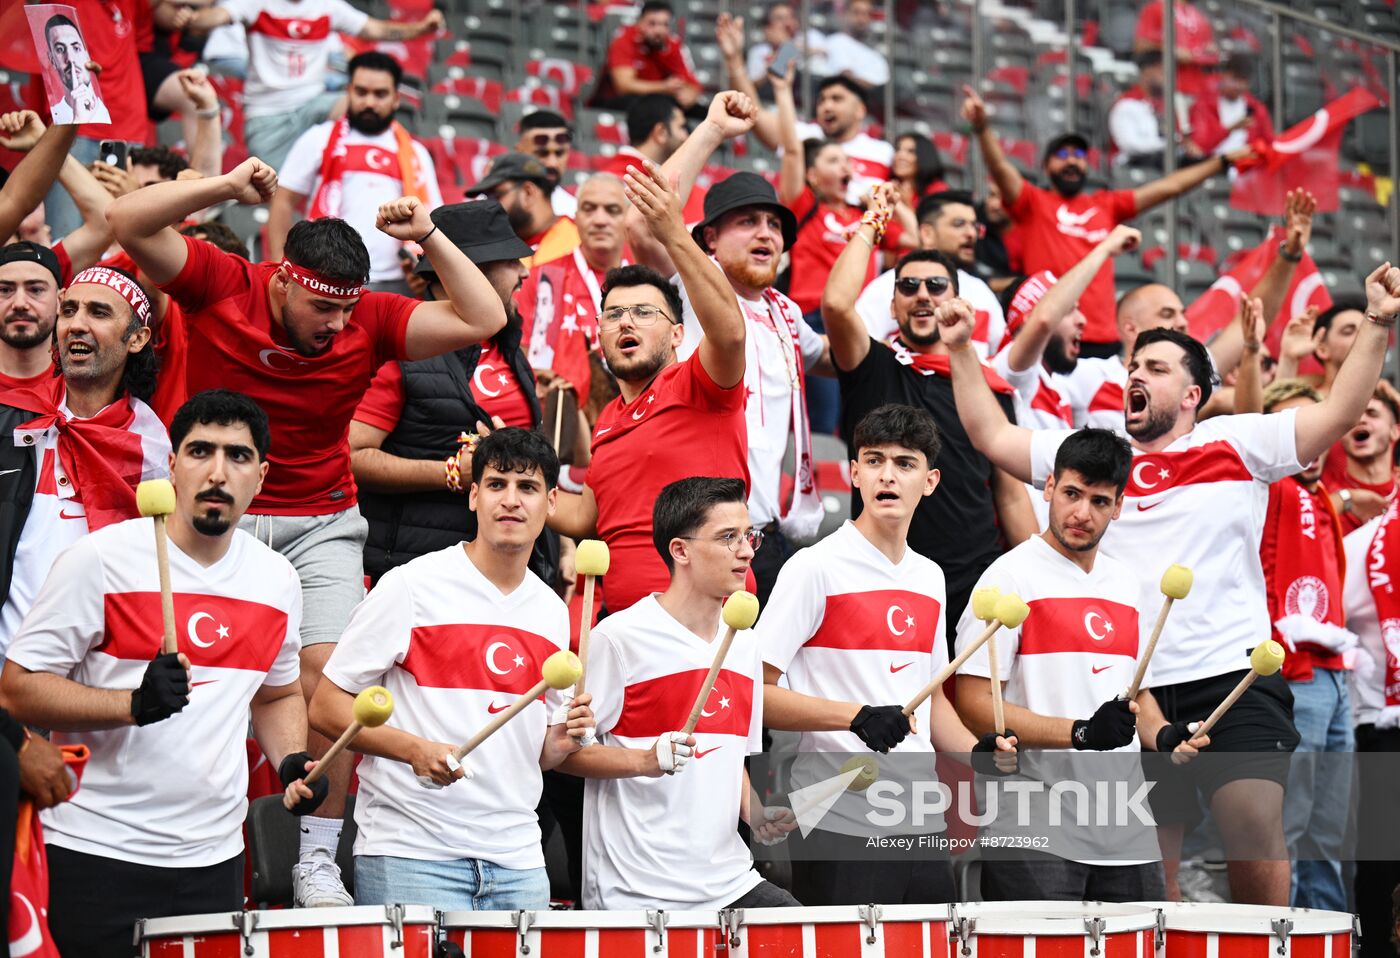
(1108, 398)
(1214, 462)
(291, 29)
(1050, 402)
(213, 630)
(655, 706)
(886, 619)
(869, 168)
(1078, 624)
(493, 658)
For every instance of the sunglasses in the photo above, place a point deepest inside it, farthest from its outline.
(542, 140)
(909, 285)
(1067, 152)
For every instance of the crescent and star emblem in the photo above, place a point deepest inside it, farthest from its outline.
(481, 386)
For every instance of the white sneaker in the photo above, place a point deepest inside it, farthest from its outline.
(316, 884)
(1197, 883)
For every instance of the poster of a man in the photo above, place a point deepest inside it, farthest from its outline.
(70, 85)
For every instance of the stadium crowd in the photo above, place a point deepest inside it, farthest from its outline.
(398, 404)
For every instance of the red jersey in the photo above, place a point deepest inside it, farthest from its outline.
(493, 385)
(172, 346)
(110, 29)
(1301, 551)
(309, 400)
(25, 382)
(1336, 478)
(682, 425)
(628, 50)
(1193, 35)
(1059, 232)
(823, 234)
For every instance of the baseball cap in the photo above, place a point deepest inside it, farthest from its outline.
(27, 252)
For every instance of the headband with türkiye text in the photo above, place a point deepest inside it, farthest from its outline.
(123, 285)
(317, 283)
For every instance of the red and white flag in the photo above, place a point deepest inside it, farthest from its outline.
(1303, 156)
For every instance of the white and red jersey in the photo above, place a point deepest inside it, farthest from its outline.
(1375, 653)
(454, 651)
(1095, 391)
(870, 158)
(669, 842)
(56, 517)
(988, 328)
(289, 43)
(172, 794)
(1201, 503)
(371, 176)
(1044, 403)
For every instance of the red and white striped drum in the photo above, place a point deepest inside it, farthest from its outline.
(1053, 929)
(370, 931)
(843, 931)
(1212, 930)
(584, 934)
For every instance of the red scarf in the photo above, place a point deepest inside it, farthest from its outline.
(329, 194)
(1382, 576)
(938, 364)
(102, 455)
(1304, 566)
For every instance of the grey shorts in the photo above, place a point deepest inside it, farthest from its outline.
(328, 553)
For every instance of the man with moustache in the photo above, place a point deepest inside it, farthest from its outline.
(351, 166)
(1364, 483)
(30, 277)
(523, 185)
(547, 137)
(68, 55)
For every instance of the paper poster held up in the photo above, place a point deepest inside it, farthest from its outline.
(69, 86)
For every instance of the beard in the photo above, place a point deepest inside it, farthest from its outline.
(906, 333)
(1158, 423)
(368, 122)
(639, 369)
(1068, 186)
(211, 524)
(747, 274)
(18, 340)
(1057, 531)
(1057, 358)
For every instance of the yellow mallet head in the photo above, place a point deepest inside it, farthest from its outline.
(984, 603)
(741, 610)
(1267, 657)
(591, 557)
(373, 706)
(1176, 582)
(1011, 611)
(869, 772)
(155, 497)
(561, 669)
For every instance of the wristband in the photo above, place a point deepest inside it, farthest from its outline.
(1283, 254)
(1379, 320)
(1345, 496)
(208, 114)
(452, 474)
(877, 222)
(426, 235)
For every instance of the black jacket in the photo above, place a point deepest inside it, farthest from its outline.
(19, 466)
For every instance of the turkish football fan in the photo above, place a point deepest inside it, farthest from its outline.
(656, 128)
(547, 137)
(947, 223)
(1062, 224)
(746, 230)
(1072, 656)
(523, 185)
(289, 46)
(961, 526)
(856, 623)
(1304, 563)
(1196, 497)
(147, 837)
(77, 445)
(1334, 331)
(672, 415)
(647, 58)
(1366, 482)
(304, 339)
(351, 166)
(662, 808)
(455, 635)
(30, 278)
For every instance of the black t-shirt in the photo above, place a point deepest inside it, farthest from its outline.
(957, 525)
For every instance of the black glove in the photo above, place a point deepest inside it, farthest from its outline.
(881, 727)
(984, 755)
(292, 768)
(1112, 726)
(1173, 734)
(165, 690)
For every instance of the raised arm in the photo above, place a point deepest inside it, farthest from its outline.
(375, 29)
(1320, 425)
(281, 212)
(144, 221)
(1185, 179)
(845, 330)
(711, 297)
(24, 190)
(1007, 445)
(792, 176)
(1249, 384)
(729, 35)
(207, 150)
(86, 244)
(1007, 177)
(1296, 344)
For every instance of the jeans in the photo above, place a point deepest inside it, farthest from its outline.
(463, 884)
(765, 895)
(1040, 877)
(1315, 810)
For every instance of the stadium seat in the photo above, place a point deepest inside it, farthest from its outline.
(274, 841)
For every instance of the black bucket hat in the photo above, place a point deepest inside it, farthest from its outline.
(738, 191)
(481, 229)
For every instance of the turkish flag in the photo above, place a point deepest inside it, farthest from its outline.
(29, 935)
(1304, 156)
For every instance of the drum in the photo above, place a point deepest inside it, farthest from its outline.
(839, 931)
(1212, 930)
(1053, 929)
(370, 931)
(584, 934)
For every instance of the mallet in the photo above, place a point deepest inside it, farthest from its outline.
(985, 608)
(1176, 584)
(372, 709)
(560, 670)
(740, 612)
(156, 498)
(869, 772)
(1266, 659)
(591, 560)
(1006, 610)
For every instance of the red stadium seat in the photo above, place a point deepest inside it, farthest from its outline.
(567, 75)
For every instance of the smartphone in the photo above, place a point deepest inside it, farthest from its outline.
(113, 153)
(782, 59)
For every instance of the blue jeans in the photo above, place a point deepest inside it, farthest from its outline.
(463, 884)
(1315, 805)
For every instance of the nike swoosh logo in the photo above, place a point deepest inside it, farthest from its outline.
(62, 514)
(605, 429)
(1144, 506)
(493, 708)
(702, 752)
(195, 685)
(896, 668)
(1099, 668)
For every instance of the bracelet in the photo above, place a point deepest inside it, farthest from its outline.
(208, 114)
(876, 221)
(453, 475)
(1379, 320)
(1345, 496)
(1283, 254)
(426, 235)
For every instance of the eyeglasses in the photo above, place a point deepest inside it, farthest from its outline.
(909, 285)
(643, 314)
(1066, 152)
(731, 540)
(542, 140)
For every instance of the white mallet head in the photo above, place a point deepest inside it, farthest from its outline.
(373, 706)
(984, 603)
(561, 669)
(741, 610)
(591, 557)
(1176, 582)
(155, 497)
(1267, 657)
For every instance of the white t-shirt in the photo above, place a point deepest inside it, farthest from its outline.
(563, 202)
(770, 376)
(1368, 669)
(56, 517)
(1232, 112)
(875, 300)
(289, 42)
(1135, 128)
(870, 159)
(454, 651)
(845, 53)
(1042, 394)
(1095, 391)
(371, 178)
(172, 794)
(669, 842)
(1200, 503)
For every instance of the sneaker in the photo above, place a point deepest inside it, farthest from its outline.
(316, 884)
(1198, 884)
